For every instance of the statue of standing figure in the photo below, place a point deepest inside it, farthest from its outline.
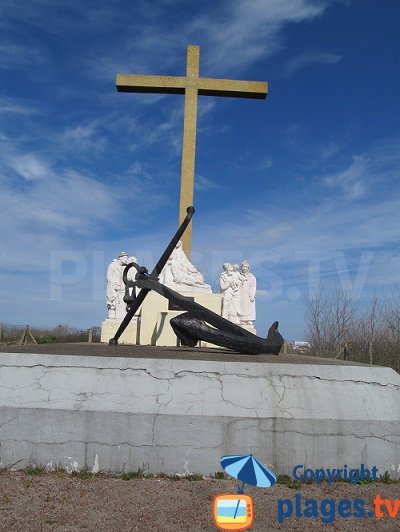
(238, 290)
(115, 287)
(229, 283)
(247, 291)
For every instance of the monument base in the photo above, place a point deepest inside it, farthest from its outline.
(250, 328)
(178, 416)
(164, 333)
(129, 336)
(155, 328)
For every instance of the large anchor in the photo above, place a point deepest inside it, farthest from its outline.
(198, 323)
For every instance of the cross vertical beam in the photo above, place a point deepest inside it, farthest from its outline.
(189, 141)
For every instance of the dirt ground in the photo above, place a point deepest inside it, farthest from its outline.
(57, 501)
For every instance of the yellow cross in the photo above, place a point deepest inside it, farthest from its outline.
(191, 86)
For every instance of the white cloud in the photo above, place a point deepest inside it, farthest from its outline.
(14, 106)
(84, 138)
(13, 56)
(47, 208)
(30, 167)
(236, 35)
(241, 32)
(204, 184)
(352, 181)
(328, 149)
(308, 59)
(324, 229)
(369, 173)
(265, 163)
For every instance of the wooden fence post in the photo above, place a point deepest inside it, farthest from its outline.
(27, 335)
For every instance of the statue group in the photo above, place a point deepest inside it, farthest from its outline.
(238, 288)
(178, 274)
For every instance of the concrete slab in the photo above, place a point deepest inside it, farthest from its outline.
(160, 352)
(181, 415)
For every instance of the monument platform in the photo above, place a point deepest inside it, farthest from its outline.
(159, 352)
(178, 410)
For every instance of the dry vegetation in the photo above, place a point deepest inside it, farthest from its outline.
(12, 334)
(373, 334)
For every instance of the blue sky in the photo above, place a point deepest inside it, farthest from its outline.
(304, 184)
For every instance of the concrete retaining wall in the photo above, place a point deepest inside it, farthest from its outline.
(181, 416)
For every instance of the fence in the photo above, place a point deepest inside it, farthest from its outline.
(25, 334)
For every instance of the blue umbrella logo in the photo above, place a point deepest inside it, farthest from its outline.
(248, 470)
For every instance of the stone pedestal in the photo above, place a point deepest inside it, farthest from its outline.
(151, 307)
(249, 328)
(155, 328)
(206, 345)
(164, 334)
(129, 336)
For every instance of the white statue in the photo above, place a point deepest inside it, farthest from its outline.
(229, 282)
(115, 287)
(180, 274)
(247, 293)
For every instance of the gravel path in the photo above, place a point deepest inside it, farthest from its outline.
(60, 502)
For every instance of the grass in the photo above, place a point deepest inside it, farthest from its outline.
(218, 475)
(194, 477)
(135, 475)
(386, 478)
(87, 474)
(140, 474)
(365, 480)
(33, 470)
(83, 474)
(294, 484)
(191, 477)
(168, 477)
(288, 481)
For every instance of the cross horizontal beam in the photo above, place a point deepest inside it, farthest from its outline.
(234, 88)
(159, 84)
(204, 86)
